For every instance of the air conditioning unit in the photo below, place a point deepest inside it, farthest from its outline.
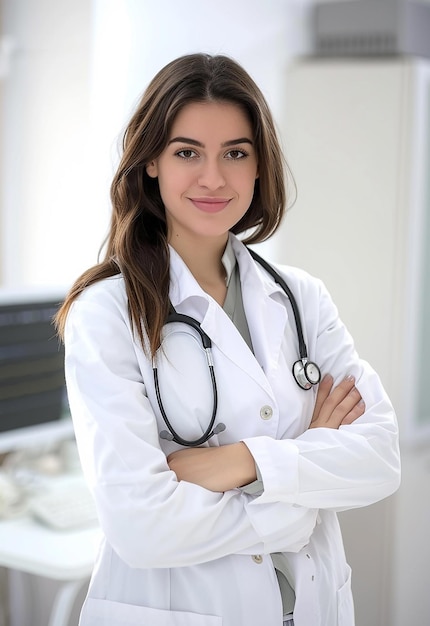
(357, 28)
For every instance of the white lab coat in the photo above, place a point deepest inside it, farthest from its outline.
(174, 553)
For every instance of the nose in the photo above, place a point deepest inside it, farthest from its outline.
(211, 175)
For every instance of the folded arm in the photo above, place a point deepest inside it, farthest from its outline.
(230, 466)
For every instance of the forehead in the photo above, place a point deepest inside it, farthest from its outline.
(217, 120)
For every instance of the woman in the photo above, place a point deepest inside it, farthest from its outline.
(241, 527)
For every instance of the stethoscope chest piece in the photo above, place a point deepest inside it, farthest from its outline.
(306, 373)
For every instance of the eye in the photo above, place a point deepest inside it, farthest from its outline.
(186, 154)
(235, 155)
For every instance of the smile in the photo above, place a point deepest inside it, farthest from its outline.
(210, 205)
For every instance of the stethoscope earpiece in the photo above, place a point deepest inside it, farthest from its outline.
(219, 428)
(166, 435)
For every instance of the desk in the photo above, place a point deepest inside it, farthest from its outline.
(28, 546)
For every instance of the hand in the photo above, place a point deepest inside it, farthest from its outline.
(337, 406)
(215, 468)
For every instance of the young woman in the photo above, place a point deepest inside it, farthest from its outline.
(217, 472)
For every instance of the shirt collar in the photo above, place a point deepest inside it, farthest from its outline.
(229, 261)
(183, 285)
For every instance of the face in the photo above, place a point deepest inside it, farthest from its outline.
(207, 171)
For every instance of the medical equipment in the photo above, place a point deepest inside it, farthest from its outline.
(306, 373)
(65, 506)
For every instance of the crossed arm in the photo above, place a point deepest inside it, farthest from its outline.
(227, 467)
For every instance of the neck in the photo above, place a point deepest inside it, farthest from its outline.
(203, 259)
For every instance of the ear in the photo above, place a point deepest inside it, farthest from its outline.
(152, 169)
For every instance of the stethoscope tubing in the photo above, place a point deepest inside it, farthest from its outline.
(281, 282)
(171, 434)
(305, 372)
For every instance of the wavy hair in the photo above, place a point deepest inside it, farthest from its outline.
(136, 243)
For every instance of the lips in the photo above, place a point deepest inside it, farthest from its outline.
(210, 205)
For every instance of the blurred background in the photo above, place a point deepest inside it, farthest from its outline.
(350, 93)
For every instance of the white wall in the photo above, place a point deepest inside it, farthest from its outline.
(75, 72)
(44, 126)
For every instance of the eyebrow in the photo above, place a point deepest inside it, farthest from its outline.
(199, 144)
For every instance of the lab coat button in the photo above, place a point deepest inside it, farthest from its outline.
(266, 412)
(257, 558)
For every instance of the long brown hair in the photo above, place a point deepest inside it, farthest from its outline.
(137, 241)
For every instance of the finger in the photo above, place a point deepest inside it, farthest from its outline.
(350, 401)
(324, 389)
(346, 405)
(335, 398)
(356, 412)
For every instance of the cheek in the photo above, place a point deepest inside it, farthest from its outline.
(250, 174)
(169, 186)
(248, 187)
(173, 182)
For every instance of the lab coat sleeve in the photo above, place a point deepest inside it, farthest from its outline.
(149, 518)
(353, 466)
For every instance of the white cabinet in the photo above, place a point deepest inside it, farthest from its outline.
(357, 137)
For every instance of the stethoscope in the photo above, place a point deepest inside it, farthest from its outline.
(306, 373)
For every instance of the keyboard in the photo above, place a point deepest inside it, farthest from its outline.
(65, 507)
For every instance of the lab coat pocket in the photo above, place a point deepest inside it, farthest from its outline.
(97, 612)
(345, 605)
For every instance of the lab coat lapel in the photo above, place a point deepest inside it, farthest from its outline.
(187, 297)
(229, 341)
(265, 309)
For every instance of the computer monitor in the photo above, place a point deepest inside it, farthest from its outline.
(33, 405)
